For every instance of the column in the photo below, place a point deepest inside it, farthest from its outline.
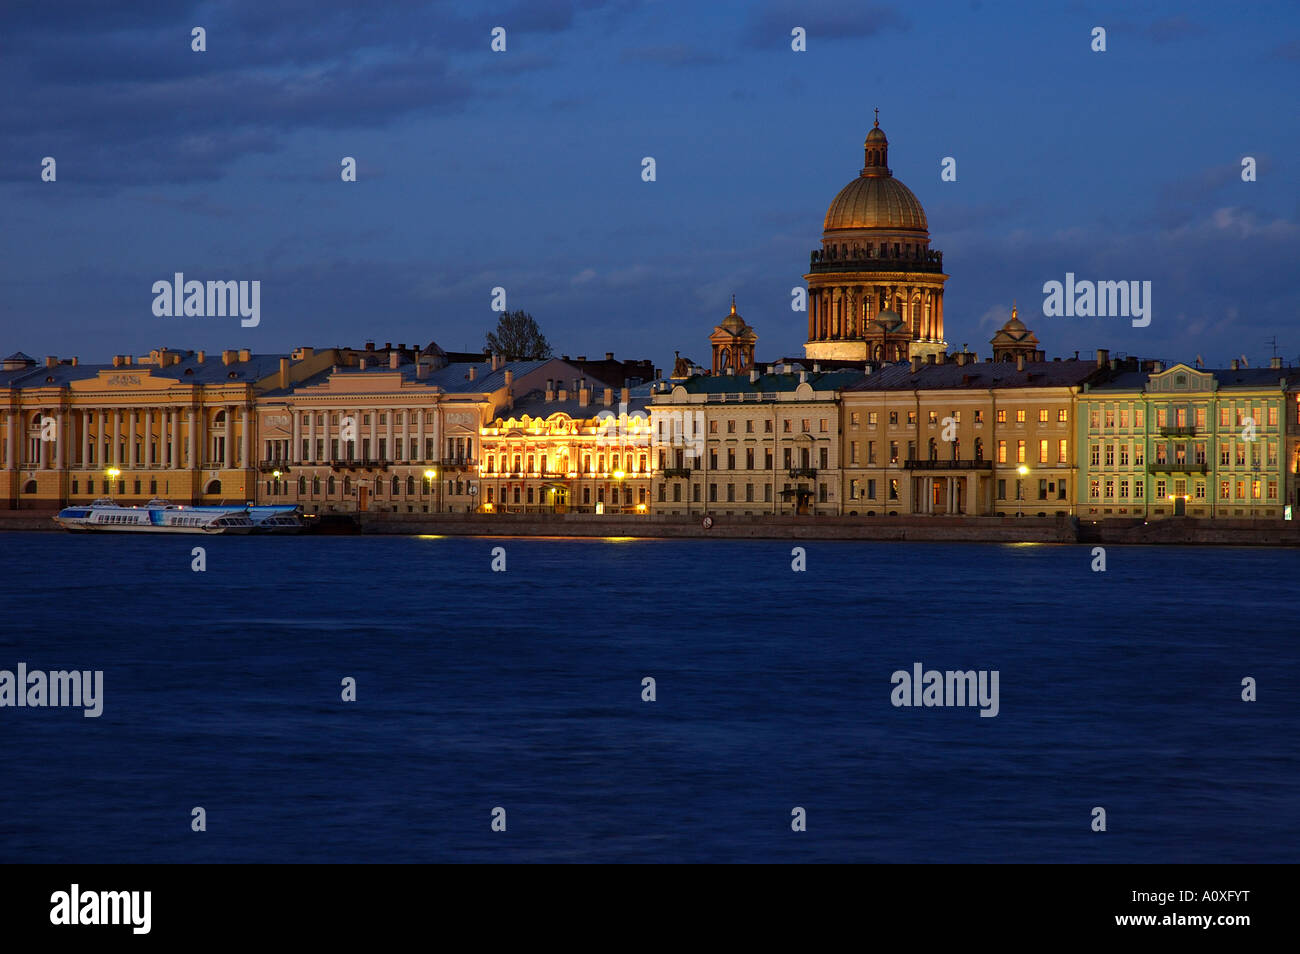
(939, 309)
(193, 437)
(148, 438)
(85, 438)
(61, 456)
(326, 426)
(419, 434)
(374, 433)
(812, 311)
(11, 438)
(388, 436)
(117, 438)
(311, 436)
(295, 442)
(176, 438)
(229, 461)
(245, 436)
(405, 455)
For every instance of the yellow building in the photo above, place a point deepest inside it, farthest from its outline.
(563, 448)
(959, 436)
(176, 424)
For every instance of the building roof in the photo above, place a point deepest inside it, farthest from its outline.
(977, 376)
(1226, 378)
(769, 383)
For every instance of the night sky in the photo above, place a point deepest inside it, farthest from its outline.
(522, 169)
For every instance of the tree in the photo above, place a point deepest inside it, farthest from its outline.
(518, 338)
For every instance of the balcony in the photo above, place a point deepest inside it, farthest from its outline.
(1177, 467)
(270, 466)
(1178, 432)
(913, 463)
(673, 472)
(809, 472)
(359, 464)
(457, 463)
(874, 260)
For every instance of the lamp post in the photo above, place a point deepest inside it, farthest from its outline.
(1022, 470)
(112, 474)
(618, 487)
(431, 475)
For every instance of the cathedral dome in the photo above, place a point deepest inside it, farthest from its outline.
(875, 199)
(875, 202)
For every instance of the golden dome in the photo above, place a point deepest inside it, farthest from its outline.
(875, 202)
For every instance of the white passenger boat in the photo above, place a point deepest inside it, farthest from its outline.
(157, 516)
(272, 518)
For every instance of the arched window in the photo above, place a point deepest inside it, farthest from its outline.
(212, 487)
(516, 495)
(315, 485)
(934, 449)
(530, 494)
(219, 419)
(347, 486)
(397, 486)
(302, 486)
(410, 486)
(329, 485)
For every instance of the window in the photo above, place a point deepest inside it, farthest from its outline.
(853, 419)
(871, 418)
(1123, 455)
(893, 489)
(1062, 415)
(731, 427)
(1161, 453)
(1123, 418)
(1110, 455)
(893, 418)
(1200, 418)
(1002, 452)
(1002, 416)
(1042, 415)
(807, 425)
(1042, 451)
(893, 452)
(853, 452)
(713, 427)
(825, 425)
(713, 493)
(911, 418)
(749, 426)
(932, 418)
(1094, 418)
(1020, 452)
(1200, 490)
(767, 427)
(979, 416)
(1139, 416)
(871, 490)
(1094, 489)
(1139, 454)
(731, 493)
(1123, 490)
(871, 452)
(785, 426)
(1020, 416)
(1161, 486)
(749, 458)
(731, 458)
(1138, 490)
(1063, 451)
(1110, 418)
(1110, 489)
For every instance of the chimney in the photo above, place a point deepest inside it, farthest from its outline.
(1233, 364)
(284, 372)
(1157, 366)
(227, 357)
(421, 369)
(510, 377)
(961, 359)
(74, 360)
(245, 354)
(582, 357)
(51, 360)
(200, 356)
(117, 361)
(564, 394)
(584, 396)
(473, 371)
(609, 356)
(388, 346)
(550, 389)
(817, 368)
(1114, 364)
(362, 364)
(1102, 357)
(393, 358)
(370, 346)
(803, 377)
(128, 359)
(624, 395)
(1020, 362)
(916, 363)
(1076, 356)
(609, 396)
(941, 358)
(753, 375)
(401, 346)
(929, 359)
(868, 368)
(1275, 363)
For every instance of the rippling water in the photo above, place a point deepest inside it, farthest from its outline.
(522, 690)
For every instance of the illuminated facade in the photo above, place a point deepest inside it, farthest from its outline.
(1189, 441)
(875, 287)
(568, 447)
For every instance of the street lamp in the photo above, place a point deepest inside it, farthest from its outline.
(430, 476)
(618, 488)
(1022, 470)
(112, 474)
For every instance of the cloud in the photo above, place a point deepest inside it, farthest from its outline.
(825, 21)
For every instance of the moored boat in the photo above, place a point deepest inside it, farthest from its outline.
(157, 516)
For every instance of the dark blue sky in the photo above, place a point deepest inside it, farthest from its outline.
(523, 169)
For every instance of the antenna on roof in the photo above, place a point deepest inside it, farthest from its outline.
(1244, 362)
(1272, 342)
